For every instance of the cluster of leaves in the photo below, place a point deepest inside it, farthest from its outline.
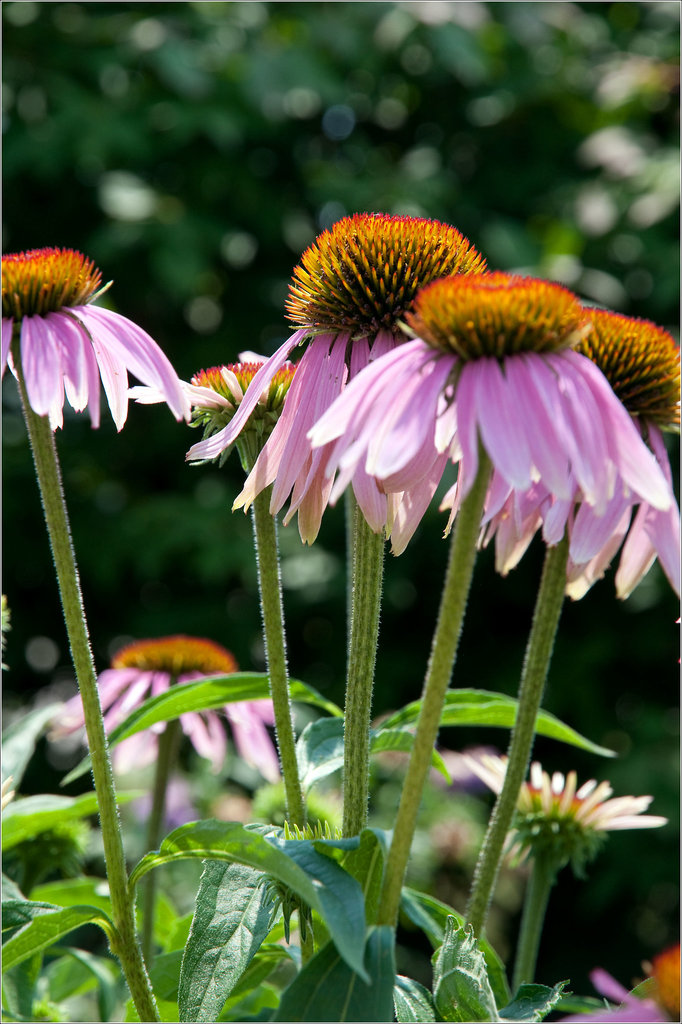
(227, 960)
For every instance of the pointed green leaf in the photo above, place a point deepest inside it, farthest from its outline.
(316, 878)
(533, 1002)
(102, 971)
(461, 990)
(412, 1001)
(19, 740)
(205, 694)
(319, 749)
(46, 925)
(483, 707)
(19, 988)
(362, 857)
(431, 916)
(231, 920)
(328, 990)
(26, 818)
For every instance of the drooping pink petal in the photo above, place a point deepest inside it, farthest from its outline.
(591, 532)
(581, 577)
(252, 739)
(467, 428)
(41, 364)
(500, 419)
(207, 736)
(137, 351)
(7, 327)
(544, 439)
(81, 374)
(635, 462)
(213, 446)
(414, 503)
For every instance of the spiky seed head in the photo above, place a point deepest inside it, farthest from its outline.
(176, 655)
(42, 281)
(641, 363)
(497, 315)
(362, 274)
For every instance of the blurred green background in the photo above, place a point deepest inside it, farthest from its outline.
(194, 150)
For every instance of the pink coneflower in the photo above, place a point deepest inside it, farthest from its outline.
(66, 344)
(146, 668)
(655, 999)
(641, 363)
(554, 814)
(349, 294)
(494, 364)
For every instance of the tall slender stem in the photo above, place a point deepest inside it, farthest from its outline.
(535, 668)
(169, 741)
(441, 662)
(124, 941)
(368, 570)
(539, 887)
(269, 582)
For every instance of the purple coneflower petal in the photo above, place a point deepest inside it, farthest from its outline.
(206, 735)
(500, 421)
(252, 739)
(137, 351)
(7, 327)
(41, 364)
(81, 375)
(591, 532)
(213, 446)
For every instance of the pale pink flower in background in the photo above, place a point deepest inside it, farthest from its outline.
(68, 345)
(492, 364)
(348, 296)
(147, 668)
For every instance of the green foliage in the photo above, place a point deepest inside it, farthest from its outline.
(412, 1001)
(41, 925)
(327, 989)
(299, 865)
(231, 921)
(461, 990)
(480, 707)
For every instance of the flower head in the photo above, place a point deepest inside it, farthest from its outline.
(556, 819)
(348, 297)
(362, 274)
(657, 998)
(494, 363)
(65, 344)
(146, 668)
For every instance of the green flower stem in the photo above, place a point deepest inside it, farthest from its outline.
(368, 570)
(535, 668)
(124, 940)
(443, 652)
(542, 878)
(169, 742)
(269, 582)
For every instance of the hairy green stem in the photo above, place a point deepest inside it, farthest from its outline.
(368, 569)
(535, 668)
(441, 662)
(269, 583)
(542, 877)
(124, 941)
(169, 742)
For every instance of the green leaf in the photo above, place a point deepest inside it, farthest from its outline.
(102, 971)
(24, 819)
(19, 740)
(483, 707)
(19, 987)
(319, 749)
(231, 920)
(328, 990)
(46, 925)
(533, 1002)
(412, 1001)
(204, 694)
(362, 857)
(71, 892)
(431, 916)
(461, 990)
(165, 975)
(316, 878)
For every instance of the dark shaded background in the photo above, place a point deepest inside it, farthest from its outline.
(193, 150)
